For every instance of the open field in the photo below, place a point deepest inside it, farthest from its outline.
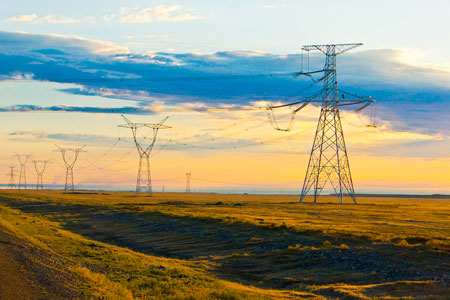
(112, 245)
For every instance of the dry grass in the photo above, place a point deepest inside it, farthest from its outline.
(102, 287)
(414, 220)
(229, 246)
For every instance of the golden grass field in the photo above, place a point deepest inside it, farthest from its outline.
(215, 246)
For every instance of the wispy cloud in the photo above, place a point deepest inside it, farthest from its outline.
(65, 108)
(39, 136)
(173, 13)
(23, 18)
(405, 93)
(46, 46)
(33, 18)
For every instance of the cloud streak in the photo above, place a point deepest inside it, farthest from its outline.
(406, 93)
(39, 136)
(65, 108)
(52, 19)
(159, 13)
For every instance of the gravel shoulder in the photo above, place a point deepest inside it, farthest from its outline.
(27, 272)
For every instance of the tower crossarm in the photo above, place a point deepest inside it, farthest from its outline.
(338, 48)
(135, 126)
(40, 165)
(347, 99)
(76, 151)
(149, 125)
(23, 158)
(312, 72)
(302, 102)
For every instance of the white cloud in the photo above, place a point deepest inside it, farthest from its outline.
(24, 18)
(173, 13)
(409, 96)
(78, 47)
(33, 18)
(109, 17)
(268, 6)
(141, 37)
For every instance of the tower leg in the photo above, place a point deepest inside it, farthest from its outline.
(149, 177)
(314, 164)
(39, 183)
(22, 178)
(346, 181)
(328, 160)
(143, 182)
(69, 180)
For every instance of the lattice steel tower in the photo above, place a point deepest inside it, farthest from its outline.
(40, 166)
(69, 163)
(12, 181)
(23, 159)
(143, 181)
(188, 182)
(329, 160)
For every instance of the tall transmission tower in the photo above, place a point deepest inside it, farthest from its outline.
(329, 160)
(188, 182)
(69, 163)
(40, 166)
(12, 181)
(23, 159)
(143, 181)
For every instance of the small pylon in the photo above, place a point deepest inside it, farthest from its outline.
(23, 159)
(69, 186)
(188, 182)
(40, 166)
(12, 181)
(144, 182)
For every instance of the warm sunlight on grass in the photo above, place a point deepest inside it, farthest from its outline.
(214, 246)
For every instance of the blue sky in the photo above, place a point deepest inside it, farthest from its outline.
(276, 27)
(61, 65)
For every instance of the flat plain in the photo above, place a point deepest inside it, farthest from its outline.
(113, 245)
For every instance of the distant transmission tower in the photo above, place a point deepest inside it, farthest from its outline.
(329, 160)
(40, 166)
(188, 182)
(143, 182)
(23, 159)
(12, 181)
(69, 163)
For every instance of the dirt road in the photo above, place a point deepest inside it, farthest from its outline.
(29, 273)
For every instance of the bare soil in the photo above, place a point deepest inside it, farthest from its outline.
(29, 273)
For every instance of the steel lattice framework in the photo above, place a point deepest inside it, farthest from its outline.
(328, 161)
(40, 166)
(12, 181)
(23, 159)
(143, 181)
(69, 163)
(188, 182)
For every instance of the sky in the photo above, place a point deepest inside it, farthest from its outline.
(69, 69)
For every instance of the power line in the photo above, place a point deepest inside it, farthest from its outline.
(102, 155)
